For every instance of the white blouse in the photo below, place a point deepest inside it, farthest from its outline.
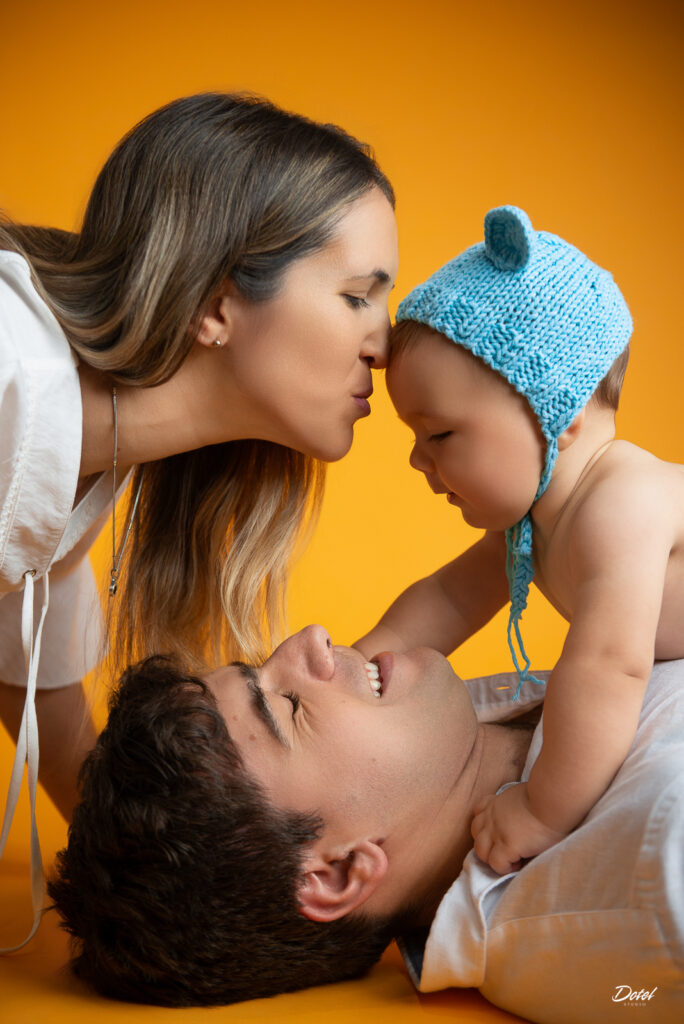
(40, 454)
(50, 618)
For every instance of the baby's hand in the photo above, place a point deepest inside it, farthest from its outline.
(506, 831)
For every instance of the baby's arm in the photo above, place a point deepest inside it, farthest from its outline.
(595, 692)
(444, 609)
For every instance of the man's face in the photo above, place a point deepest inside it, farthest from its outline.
(312, 731)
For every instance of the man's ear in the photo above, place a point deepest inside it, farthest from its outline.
(216, 325)
(571, 433)
(333, 888)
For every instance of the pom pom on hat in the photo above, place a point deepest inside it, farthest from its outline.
(509, 237)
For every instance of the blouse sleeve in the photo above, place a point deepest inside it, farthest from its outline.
(73, 633)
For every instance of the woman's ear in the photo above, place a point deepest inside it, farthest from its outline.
(215, 326)
(333, 888)
(571, 433)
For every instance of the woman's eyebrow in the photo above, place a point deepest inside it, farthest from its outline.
(380, 275)
(259, 702)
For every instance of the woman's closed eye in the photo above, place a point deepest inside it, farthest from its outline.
(440, 437)
(356, 301)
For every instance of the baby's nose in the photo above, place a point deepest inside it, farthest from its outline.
(419, 460)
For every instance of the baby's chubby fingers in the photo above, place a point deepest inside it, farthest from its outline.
(483, 842)
(481, 807)
(506, 832)
(483, 831)
(489, 847)
(502, 860)
(481, 827)
(492, 842)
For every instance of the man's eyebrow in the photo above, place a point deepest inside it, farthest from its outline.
(259, 702)
(380, 275)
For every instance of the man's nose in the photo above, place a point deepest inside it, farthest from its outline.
(309, 653)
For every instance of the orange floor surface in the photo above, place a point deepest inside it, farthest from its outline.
(36, 986)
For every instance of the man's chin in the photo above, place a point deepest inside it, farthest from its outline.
(432, 660)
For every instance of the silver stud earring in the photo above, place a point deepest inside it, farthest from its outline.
(216, 343)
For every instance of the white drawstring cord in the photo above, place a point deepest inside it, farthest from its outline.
(27, 750)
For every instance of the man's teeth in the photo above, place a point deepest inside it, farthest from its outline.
(373, 673)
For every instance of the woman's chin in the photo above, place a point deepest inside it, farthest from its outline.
(332, 452)
(331, 448)
(327, 445)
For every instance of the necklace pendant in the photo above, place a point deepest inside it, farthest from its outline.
(114, 582)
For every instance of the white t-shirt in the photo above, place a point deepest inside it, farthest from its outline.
(40, 453)
(595, 925)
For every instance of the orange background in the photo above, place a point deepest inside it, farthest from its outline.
(570, 111)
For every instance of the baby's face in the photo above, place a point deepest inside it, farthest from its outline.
(477, 440)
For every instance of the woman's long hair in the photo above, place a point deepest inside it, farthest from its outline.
(207, 188)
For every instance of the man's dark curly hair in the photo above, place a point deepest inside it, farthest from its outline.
(179, 880)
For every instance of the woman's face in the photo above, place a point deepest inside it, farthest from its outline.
(302, 360)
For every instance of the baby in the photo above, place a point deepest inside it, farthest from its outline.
(507, 364)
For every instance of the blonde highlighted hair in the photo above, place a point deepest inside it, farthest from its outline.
(208, 188)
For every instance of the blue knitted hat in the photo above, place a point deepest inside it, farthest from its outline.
(540, 313)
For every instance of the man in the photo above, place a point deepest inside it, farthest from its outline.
(274, 828)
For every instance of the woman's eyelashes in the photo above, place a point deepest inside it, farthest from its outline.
(294, 701)
(356, 301)
(440, 437)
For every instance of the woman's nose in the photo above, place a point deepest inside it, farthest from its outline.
(376, 346)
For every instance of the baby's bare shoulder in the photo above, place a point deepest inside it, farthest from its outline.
(627, 468)
(628, 486)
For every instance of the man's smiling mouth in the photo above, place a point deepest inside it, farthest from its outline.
(374, 678)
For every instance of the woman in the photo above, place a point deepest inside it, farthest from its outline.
(213, 325)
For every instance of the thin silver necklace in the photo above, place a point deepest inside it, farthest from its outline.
(116, 562)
